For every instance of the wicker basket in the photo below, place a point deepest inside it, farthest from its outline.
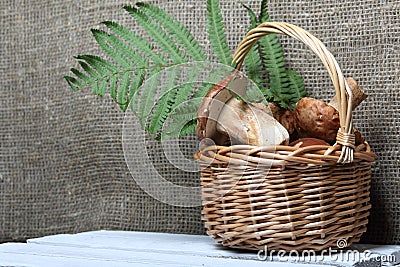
(287, 197)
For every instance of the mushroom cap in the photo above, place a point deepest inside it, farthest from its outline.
(315, 118)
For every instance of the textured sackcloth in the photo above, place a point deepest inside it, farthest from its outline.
(62, 167)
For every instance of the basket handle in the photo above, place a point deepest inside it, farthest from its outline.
(345, 136)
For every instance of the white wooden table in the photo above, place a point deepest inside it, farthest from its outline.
(119, 248)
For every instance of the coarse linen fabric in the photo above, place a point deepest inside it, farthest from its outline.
(62, 164)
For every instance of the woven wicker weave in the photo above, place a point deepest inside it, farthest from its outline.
(289, 197)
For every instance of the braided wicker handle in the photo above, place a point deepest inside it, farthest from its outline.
(345, 136)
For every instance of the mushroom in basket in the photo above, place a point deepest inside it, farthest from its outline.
(225, 119)
(228, 120)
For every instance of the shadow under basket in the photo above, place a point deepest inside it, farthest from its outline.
(286, 197)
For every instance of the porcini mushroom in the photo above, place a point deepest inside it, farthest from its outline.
(222, 118)
(245, 123)
(209, 110)
(315, 118)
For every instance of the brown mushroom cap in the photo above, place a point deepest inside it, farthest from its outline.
(315, 118)
(203, 112)
(286, 118)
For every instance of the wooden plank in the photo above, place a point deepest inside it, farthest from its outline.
(181, 244)
(121, 248)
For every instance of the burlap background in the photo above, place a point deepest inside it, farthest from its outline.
(62, 168)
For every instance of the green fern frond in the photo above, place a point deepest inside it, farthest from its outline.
(187, 87)
(272, 56)
(216, 32)
(99, 68)
(253, 17)
(157, 34)
(286, 86)
(105, 42)
(174, 94)
(188, 128)
(74, 83)
(186, 111)
(146, 97)
(182, 121)
(129, 61)
(90, 70)
(123, 51)
(185, 40)
(264, 15)
(100, 88)
(273, 59)
(255, 69)
(100, 64)
(159, 101)
(142, 45)
(133, 59)
(140, 76)
(181, 34)
(96, 80)
(165, 101)
(81, 75)
(144, 17)
(183, 118)
(178, 130)
(296, 83)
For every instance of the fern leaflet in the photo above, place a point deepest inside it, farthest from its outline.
(157, 34)
(141, 44)
(114, 86)
(164, 102)
(216, 32)
(264, 16)
(182, 120)
(255, 69)
(281, 86)
(180, 33)
(297, 87)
